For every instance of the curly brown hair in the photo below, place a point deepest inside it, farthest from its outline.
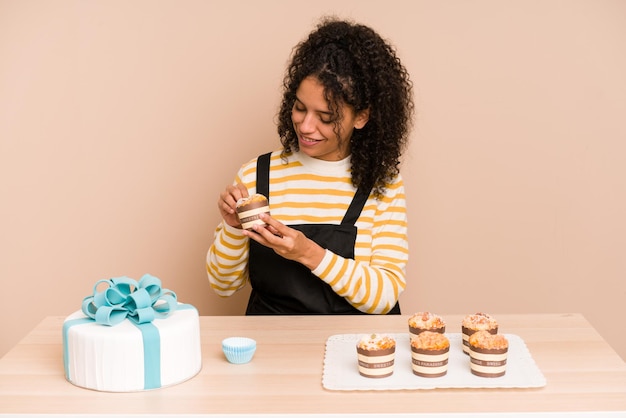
(358, 68)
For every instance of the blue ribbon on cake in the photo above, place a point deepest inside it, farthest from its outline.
(140, 302)
(127, 298)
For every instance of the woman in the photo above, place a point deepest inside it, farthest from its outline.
(336, 239)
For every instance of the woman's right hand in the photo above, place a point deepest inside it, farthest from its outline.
(227, 203)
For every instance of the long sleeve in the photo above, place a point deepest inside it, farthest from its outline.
(375, 279)
(227, 260)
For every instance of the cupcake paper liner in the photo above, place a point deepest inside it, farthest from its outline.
(238, 350)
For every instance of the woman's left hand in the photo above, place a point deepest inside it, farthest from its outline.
(287, 242)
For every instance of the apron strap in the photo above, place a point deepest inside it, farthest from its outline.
(263, 175)
(354, 211)
(263, 187)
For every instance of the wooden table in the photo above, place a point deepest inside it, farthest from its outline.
(583, 373)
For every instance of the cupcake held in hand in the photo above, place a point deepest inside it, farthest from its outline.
(249, 209)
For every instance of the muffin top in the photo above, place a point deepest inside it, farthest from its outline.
(257, 198)
(376, 342)
(426, 320)
(485, 340)
(429, 340)
(479, 321)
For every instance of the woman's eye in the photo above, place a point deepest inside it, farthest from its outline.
(324, 117)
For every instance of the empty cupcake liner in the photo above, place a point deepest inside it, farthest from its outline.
(238, 350)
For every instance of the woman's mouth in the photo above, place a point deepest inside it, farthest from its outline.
(309, 141)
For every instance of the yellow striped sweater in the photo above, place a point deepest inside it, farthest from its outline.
(306, 190)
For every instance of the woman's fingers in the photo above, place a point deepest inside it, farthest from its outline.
(227, 202)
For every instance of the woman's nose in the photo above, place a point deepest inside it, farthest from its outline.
(308, 123)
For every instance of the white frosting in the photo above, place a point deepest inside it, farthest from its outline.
(111, 358)
(375, 342)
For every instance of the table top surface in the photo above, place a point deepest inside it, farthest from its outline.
(583, 373)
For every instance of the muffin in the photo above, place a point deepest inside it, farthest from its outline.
(477, 322)
(429, 354)
(376, 355)
(426, 321)
(488, 353)
(249, 208)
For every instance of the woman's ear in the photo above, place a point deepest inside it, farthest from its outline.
(361, 118)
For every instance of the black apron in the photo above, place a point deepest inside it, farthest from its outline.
(286, 287)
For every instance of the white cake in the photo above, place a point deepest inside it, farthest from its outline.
(128, 356)
(112, 358)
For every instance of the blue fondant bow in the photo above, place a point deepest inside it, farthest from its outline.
(141, 302)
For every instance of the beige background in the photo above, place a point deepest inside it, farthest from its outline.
(121, 121)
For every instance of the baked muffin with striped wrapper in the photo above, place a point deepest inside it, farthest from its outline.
(249, 208)
(429, 354)
(426, 321)
(477, 322)
(376, 355)
(488, 354)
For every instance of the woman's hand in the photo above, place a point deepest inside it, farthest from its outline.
(227, 203)
(287, 242)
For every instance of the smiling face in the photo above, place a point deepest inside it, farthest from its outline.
(323, 133)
